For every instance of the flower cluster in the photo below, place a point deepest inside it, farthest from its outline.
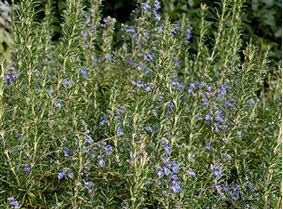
(169, 169)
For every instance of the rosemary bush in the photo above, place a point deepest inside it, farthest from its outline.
(153, 121)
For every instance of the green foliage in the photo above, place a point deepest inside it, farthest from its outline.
(174, 115)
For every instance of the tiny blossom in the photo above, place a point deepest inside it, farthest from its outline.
(61, 175)
(191, 173)
(119, 130)
(222, 91)
(208, 146)
(160, 172)
(174, 176)
(58, 104)
(170, 106)
(145, 6)
(108, 149)
(168, 149)
(66, 152)
(101, 162)
(217, 171)
(148, 56)
(84, 72)
(235, 192)
(208, 117)
(11, 77)
(175, 186)
(175, 166)
(157, 5)
(219, 116)
(88, 140)
(188, 34)
(27, 169)
(14, 202)
(67, 83)
(103, 120)
(166, 171)
(89, 185)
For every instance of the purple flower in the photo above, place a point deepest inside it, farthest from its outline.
(156, 5)
(13, 201)
(58, 104)
(175, 186)
(174, 176)
(61, 175)
(188, 35)
(170, 106)
(235, 192)
(101, 162)
(67, 83)
(119, 130)
(157, 16)
(191, 173)
(108, 149)
(160, 172)
(11, 77)
(222, 91)
(166, 171)
(217, 171)
(148, 56)
(66, 152)
(219, 116)
(88, 185)
(175, 166)
(168, 149)
(84, 72)
(27, 169)
(103, 120)
(88, 140)
(208, 117)
(145, 6)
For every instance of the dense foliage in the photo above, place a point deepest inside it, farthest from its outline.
(153, 113)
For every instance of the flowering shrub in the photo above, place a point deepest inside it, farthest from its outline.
(151, 122)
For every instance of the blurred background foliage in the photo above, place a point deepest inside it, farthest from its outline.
(262, 19)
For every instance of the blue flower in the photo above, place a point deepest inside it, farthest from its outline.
(88, 185)
(148, 56)
(11, 77)
(27, 169)
(166, 171)
(58, 104)
(67, 83)
(101, 162)
(66, 152)
(84, 72)
(174, 176)
(175, 186)
(191, 173)
(103, 120)
(108, 149)
(119, 130)
(88, 140)
(235, 192)
(222, 91)
(160, 172)
(175, 166)
(61, 175)
(145, 6)
(217, 171)
(168, 149)
(156, 5)
(14, 202)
